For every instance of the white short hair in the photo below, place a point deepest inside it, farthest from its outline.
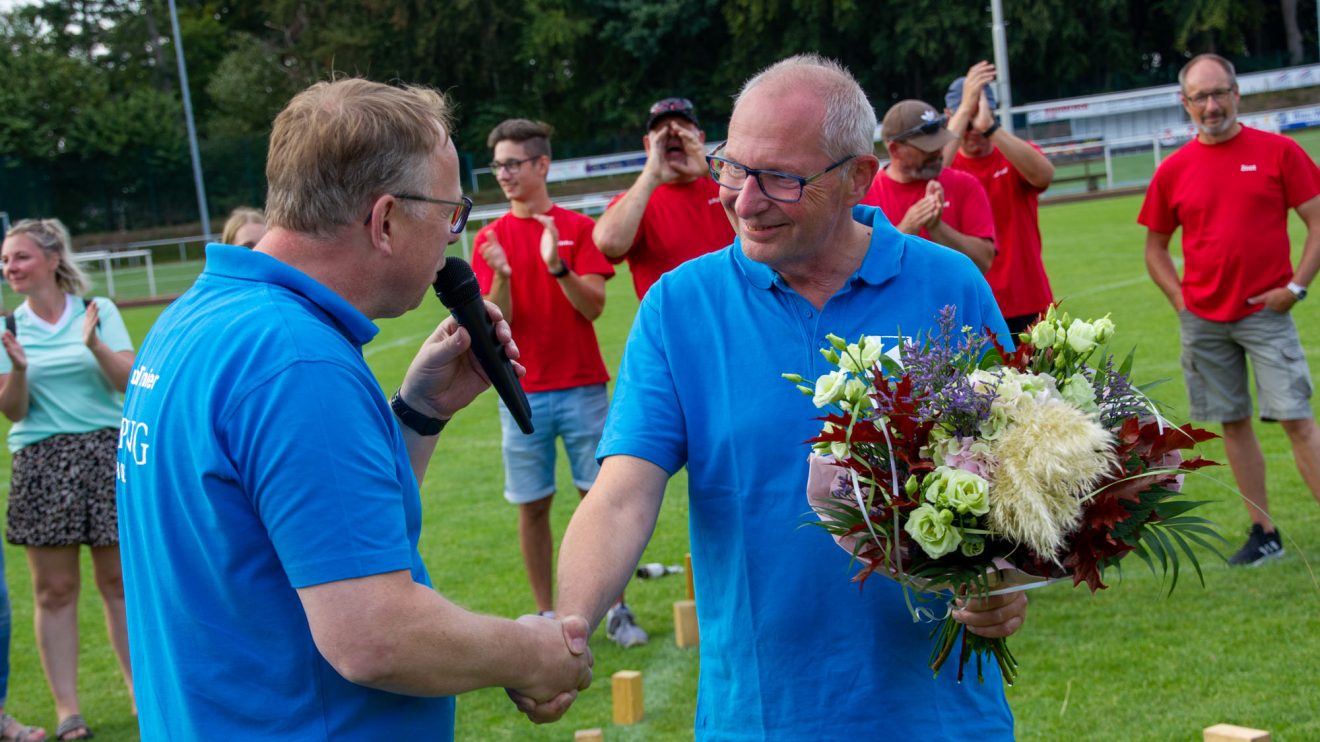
(848, 127)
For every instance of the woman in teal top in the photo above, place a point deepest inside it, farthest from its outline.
(66, 364)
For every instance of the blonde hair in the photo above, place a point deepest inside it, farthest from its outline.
(53, 238)
(339, 145)
(239, 218)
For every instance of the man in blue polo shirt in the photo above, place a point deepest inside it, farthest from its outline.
(790, 649)
(268, 498)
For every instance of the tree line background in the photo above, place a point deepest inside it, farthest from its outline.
(91, 123)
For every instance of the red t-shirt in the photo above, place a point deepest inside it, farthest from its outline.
(1232, 201)
(557, 344)
(968, 210)
(1017, 274)
(681, 222)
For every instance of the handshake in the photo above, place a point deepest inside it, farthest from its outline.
(559, 667)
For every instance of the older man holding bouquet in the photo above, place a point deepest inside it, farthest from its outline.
(790, 649)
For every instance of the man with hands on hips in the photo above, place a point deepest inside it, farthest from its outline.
(672, 212)
(1230, 189)
(268, 491)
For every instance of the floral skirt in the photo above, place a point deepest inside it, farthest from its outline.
(62, 491)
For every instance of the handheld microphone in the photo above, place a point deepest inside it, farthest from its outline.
(456, 287)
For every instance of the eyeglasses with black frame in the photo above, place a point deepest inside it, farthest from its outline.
(457, 220)
(510, 164)
(777, 186)
(1221, 97)
(925, 128)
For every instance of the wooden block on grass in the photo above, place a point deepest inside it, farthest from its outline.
(1231, 733)
(692, 591)
(626, 687)
(588, 735)
(686, 633)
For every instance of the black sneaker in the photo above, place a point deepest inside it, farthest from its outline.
(1261, 547)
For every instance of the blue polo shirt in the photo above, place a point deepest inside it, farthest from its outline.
(258, 455)
(790, 648)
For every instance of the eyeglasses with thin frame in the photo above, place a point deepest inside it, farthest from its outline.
(777, 186)
(511, 165)
(925, 128)
(1221, 97)
(457, 220)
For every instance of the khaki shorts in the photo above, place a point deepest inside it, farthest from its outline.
(1214, 361)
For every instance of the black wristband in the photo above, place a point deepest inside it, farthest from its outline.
(563, 271)
(424, 425)
(993, 128)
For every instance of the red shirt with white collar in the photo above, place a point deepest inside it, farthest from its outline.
(1232, 201)
(682, 221)
(556, 343)
(1017, 274)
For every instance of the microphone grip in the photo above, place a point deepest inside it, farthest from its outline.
(490, 354)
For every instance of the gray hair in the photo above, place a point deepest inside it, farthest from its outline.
(848, 127)
(1207, 57)
(53, 238)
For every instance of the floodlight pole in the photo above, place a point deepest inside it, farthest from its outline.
(1001, 66)
(192, 128)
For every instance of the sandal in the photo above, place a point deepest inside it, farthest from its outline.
(71, 724)
(13, 730)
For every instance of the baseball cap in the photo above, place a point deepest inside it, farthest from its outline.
(916, 123)
(953, 98)
(671, 107)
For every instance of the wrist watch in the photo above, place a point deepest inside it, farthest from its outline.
(1297, 290)
(563, 271)
(424, 425)
(993, 128)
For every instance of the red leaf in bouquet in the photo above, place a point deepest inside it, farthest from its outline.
(1018, 359)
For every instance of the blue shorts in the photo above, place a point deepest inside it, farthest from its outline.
(578, 416)
(1214, 360)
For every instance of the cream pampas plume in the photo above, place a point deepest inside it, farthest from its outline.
(1050, 455)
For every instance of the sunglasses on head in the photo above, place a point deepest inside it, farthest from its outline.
(671, 105)
(925, 128)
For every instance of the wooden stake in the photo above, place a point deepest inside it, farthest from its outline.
(686, 633)
(589, 735)
(1231, 733)
(692, 592)
(626, 688)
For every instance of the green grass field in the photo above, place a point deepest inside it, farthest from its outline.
(1128, 663)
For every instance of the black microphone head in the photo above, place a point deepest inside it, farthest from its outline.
(456, 284)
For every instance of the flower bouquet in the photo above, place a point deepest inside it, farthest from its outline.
(963, 468)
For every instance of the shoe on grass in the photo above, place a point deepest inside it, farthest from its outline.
(622, 629)
(1261, 547)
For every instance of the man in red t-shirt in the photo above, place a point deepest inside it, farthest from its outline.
(539, 265)
(920, 196)
(672, 212)
(1013, 173)
(1230, 190)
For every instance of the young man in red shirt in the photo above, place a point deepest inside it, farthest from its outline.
(539, 265)
(1230, 190)
(672, 212)
(1013, 173)
(920, 196)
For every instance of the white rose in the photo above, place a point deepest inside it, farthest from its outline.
(1081, 337)
(1104, 329)
(830, 388)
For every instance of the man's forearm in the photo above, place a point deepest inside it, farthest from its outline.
(585, 293)
(617, 227)
(608, 533)
(501, 295)
(1034, 165)
(979, 249)
(1159, 263)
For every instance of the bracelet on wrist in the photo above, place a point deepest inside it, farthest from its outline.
(422, 424)
(993, 128)
(563, 271)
